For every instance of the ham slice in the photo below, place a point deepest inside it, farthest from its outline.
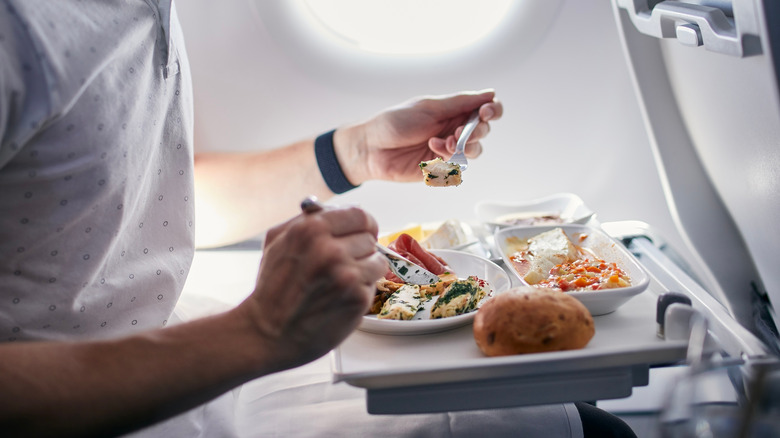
(406, 246)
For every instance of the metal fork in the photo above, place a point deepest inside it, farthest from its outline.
(406, 270)
(459, 157)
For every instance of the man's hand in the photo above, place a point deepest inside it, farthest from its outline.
(316, 281)
(241, 195)
(392, 144)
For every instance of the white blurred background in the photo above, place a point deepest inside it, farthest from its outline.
(266, 74)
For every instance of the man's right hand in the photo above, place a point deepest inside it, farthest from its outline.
(316, 281)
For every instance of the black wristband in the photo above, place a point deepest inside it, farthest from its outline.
(329, 164)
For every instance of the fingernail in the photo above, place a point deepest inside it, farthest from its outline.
(488, 113)
(310, 204)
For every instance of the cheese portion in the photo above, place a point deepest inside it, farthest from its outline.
(440, 173)
(402, 304)
(462, 296)
(545, 251)
(449, 234)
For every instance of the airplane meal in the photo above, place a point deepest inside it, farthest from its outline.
(397, 300)
(551, 260)
(529, 319)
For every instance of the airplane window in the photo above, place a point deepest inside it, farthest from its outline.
(409, 26)
(355, 44)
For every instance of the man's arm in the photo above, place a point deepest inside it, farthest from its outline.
(239, 195)
(113, 387)
(315, 282)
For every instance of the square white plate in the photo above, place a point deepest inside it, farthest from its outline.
(595, 240)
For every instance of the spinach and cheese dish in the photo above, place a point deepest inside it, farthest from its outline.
(386, 288)
(449, 296)
(403, 304)
(440, 173)
(462, 296)
(457, 298)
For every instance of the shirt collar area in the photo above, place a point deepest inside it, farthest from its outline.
(167, 14)
(164, 7)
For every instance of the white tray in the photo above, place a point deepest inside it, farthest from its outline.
(446, 371)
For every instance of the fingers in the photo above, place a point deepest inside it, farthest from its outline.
(446, 147)
(354, 246)
(316, 280)
(481, 131)
(492, 110)
(371, 269)
(346, 218)
(463, 103)
(344, 234)
(331, 264)
(336, 267)
(489, 110)
(342, 221)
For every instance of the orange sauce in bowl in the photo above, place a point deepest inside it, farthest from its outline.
(586, 274)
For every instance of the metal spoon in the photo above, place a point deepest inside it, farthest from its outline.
(459, 157)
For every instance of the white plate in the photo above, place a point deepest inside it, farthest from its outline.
(599, 243)
(568, 206)
(463, 264)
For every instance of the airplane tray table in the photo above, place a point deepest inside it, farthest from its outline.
(447, 372)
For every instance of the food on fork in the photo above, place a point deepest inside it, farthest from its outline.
(529, 319)
(440, 173)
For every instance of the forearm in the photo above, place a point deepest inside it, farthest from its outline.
(238, 196)
(110, 387)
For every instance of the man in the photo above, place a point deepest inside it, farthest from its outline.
(97, 222)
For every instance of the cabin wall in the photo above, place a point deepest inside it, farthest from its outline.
(571, 122)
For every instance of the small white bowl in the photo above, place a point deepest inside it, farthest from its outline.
(568, 206)
(595, 240)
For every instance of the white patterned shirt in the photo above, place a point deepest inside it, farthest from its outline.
(96, 185)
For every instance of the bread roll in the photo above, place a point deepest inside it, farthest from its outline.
(532, 320)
